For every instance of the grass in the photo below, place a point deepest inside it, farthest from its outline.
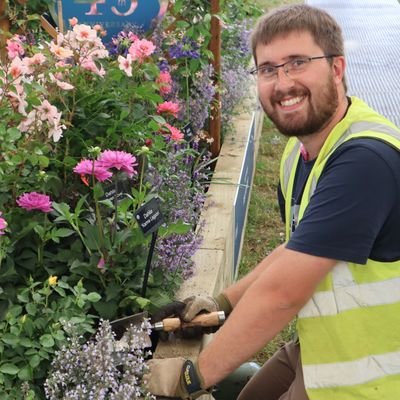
(265, 229)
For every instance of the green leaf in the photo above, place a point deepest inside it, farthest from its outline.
(10, 339)
(34, 361)
(93, 297)
(26, 373)
(9, 369)
(47, 340)
(31, 309)
(63, 232)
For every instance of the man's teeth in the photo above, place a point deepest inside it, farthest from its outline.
(291, 102)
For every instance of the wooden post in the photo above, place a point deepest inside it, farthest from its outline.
(215, 47)
(5, 27)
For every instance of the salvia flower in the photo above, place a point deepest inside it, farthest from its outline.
(188, 48)
(120, 160)
(92, 167)
(35, 201)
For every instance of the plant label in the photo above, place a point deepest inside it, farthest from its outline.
(188, 132)
(149, 216)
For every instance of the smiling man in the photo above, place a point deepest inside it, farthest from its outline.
(339, 269)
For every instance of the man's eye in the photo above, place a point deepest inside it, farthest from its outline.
(299, 62)
(267, 70)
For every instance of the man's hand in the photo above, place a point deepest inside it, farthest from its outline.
(198, 304)
(187, 309)
(175, 377)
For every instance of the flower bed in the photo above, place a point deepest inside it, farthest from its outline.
(90, 133)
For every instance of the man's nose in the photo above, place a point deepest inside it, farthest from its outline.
(283, 78)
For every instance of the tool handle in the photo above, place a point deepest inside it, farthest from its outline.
(210, 319)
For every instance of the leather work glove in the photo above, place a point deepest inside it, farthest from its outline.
(187, 309)
(197, 304)
(174, 377)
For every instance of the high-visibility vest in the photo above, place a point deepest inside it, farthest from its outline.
(349, 330)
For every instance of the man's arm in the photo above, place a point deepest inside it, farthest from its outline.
(279, 287)
(236, 291)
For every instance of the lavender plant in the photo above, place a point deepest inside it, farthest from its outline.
(102, 368)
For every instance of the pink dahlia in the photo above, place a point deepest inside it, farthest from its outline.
(168, 107)
(3, 225)
(176, 134)
(90, 167)
(120, 160)
(35, 201)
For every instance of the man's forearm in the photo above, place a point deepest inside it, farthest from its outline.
(236, 291)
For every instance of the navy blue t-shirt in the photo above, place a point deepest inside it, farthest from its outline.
(354, 213)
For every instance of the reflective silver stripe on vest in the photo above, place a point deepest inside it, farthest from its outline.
(355, 128)
(348, 295)
(287, 167)
(350, 373)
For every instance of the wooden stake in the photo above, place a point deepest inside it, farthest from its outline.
(60, 16)
(215, 47)
(5, 27)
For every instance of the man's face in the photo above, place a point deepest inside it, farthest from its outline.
(304, 103)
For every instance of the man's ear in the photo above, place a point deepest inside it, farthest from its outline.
(338, 68)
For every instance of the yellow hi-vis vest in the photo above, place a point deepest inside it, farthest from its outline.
(349, 330)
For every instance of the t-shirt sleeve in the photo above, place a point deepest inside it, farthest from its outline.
(353, 198)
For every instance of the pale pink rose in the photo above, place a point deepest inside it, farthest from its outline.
(91, 66)
(168, 107)
(125, 64)
(73, 21)
(176, 134)
(60, 52)
(48, 112)
(14, 48)
(56, 131)
(17, 68)
(84, 33)
(120, 160)
(140, 49)
(91, 167)
(64, 85)
(97, 27)
(18, 98)
(35, 201)
(29, 122)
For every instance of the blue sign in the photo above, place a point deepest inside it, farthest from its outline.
(112, 15)
(242, 197)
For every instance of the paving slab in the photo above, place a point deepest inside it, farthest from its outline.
(371, 30)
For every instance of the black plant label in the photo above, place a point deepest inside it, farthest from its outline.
(117, 191)
(188, 132)
(149, 216)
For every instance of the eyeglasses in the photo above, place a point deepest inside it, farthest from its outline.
(291, 68)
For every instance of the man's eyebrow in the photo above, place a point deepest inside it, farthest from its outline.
(288, 58)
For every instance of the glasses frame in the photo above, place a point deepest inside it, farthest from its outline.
(276, 67)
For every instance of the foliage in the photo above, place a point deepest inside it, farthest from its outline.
(88, 134)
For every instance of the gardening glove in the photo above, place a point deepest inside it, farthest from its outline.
(198, 304)
(187, 310)
(175, 377)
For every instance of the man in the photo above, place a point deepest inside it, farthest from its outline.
(339, 270)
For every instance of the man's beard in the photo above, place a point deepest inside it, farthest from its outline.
(320, 111)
